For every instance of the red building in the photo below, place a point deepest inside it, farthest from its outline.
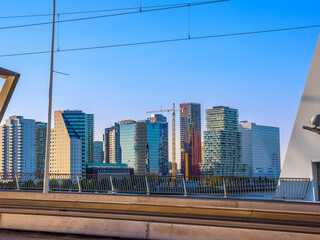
(191, 113)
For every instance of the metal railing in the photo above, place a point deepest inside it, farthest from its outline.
(295, 188)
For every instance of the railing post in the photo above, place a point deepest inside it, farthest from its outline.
(17, 182)
(79, 185)
(148, 190)
(184, 186)
(224, 188)
(112, 187)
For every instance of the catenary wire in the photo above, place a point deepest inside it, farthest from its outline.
(165, 41)
(114, 15)
(94, 11)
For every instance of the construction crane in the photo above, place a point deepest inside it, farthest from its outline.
(186, 150)
(173, 110)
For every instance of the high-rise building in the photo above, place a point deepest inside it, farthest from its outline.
(191, 113)
(111, 144)
(17, 144)
(41, 133)
(261, 149)
(158, 122)
(144, 145)
(70, 128)
(98, 152)
(222, 144)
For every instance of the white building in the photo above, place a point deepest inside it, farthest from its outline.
(17, 144)
(261, 149)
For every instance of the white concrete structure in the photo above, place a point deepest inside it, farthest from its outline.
(17, 145)
(303, 154)
(261, 149)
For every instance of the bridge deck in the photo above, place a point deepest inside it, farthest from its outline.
(158, 217)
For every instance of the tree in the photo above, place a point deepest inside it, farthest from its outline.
(28, 185)
(54, 184)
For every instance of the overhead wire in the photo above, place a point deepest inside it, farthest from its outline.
(117, 14)
(93, 11)
(166, 40)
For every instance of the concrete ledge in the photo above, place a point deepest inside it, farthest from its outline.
(139, 229)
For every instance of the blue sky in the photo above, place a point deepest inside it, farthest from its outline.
(262, 75)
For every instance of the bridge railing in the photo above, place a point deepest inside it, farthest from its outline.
(295, 188)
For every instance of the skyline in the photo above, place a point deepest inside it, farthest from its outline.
(136, 81)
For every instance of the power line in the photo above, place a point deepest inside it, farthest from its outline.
(92, 11)
(117, 14)
(164, 41)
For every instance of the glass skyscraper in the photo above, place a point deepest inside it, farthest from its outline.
(261, 149)
(41, 133)
(144, 145)
(222, 144)
(191, 113)
(159, 125)
(98, 152)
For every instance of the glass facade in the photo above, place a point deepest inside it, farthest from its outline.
(222, 144)
(261, 149)
(191, 113)
(98, 152)
(144, 145)
(41, 133)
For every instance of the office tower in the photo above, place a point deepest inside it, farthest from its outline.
(159, 146)
(89, 136)
(98, 152)
(222, 144)
(72, 126)
(144, 145)
(40, 148)
(128, 143)
(191, 113)
(17, 143)
(111, 144)
(261, 149)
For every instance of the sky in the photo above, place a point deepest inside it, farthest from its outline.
(262, 75)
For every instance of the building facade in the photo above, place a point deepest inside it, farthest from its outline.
(98, 152)
(144, 145)
(158, 124)
(72, 142)
(261, 149)
(190, 113)
(17, 144)
(40, 148)
(222, 144)
(111, 144)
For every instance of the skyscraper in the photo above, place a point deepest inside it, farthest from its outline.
(40, 148)
(129, 143)
(261, 149)
(111, 144)
(144, 145)
(191, 113)
(162, 150)
(17, 144)
(72, 126)
(222, 144)
(98, 152)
